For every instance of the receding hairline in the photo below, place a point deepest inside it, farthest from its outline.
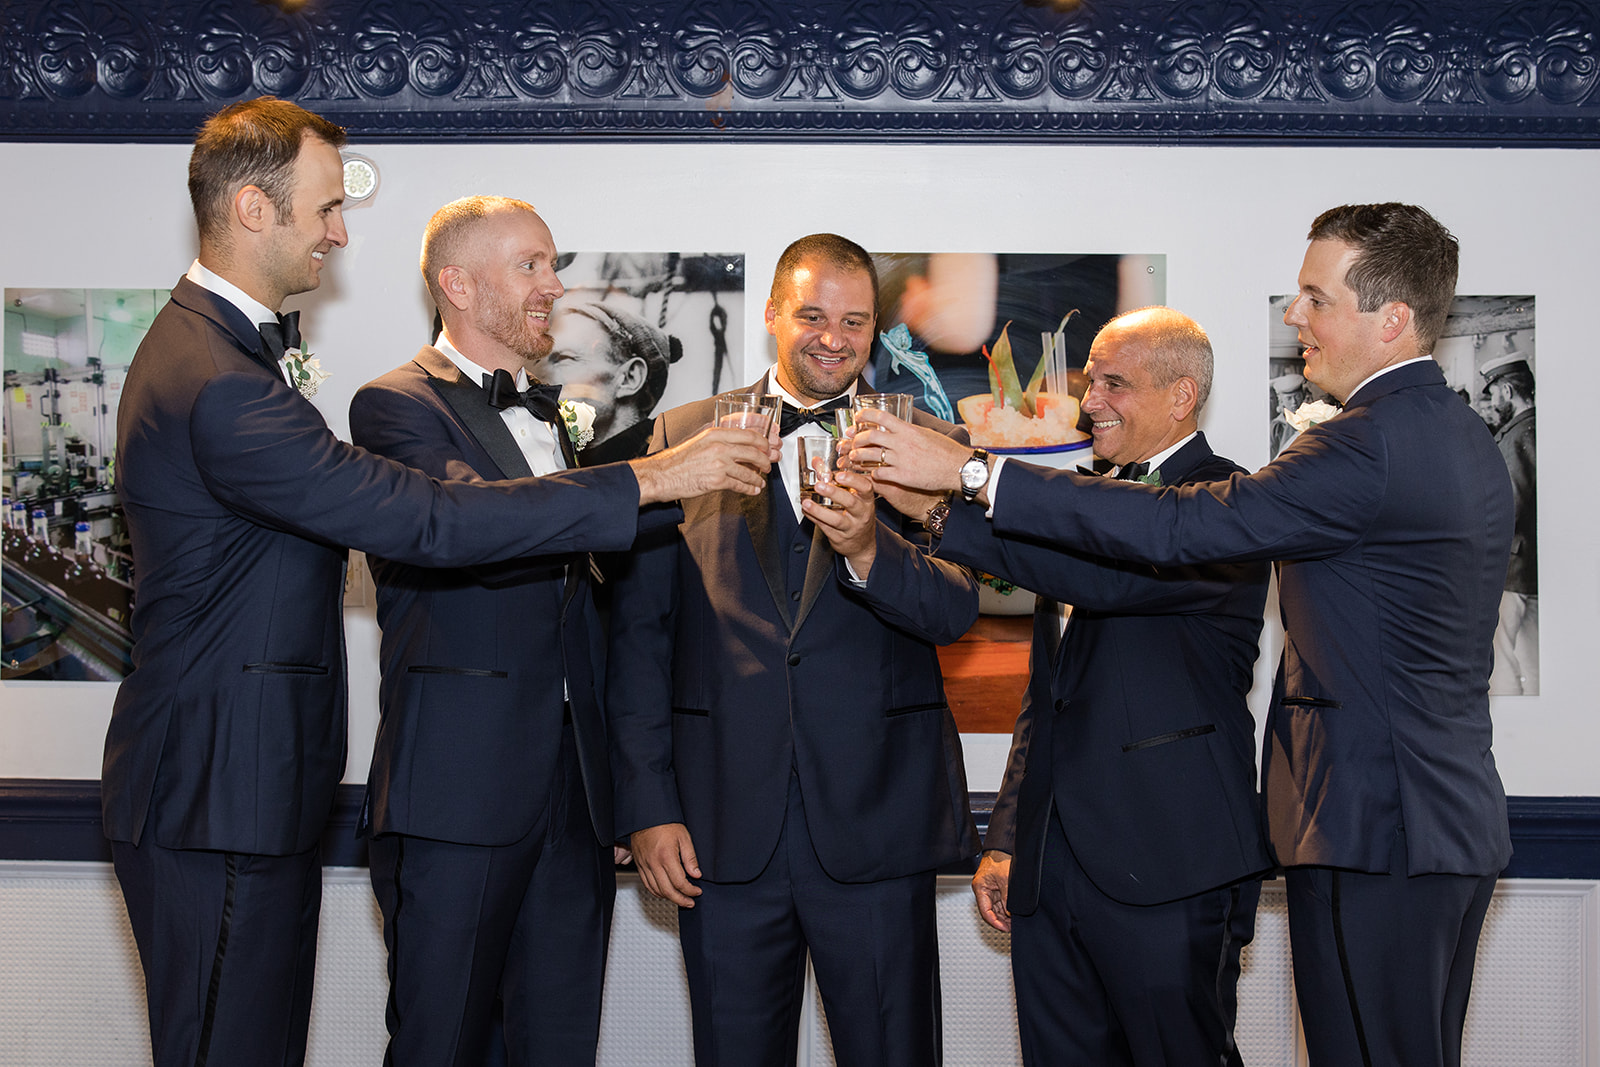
(1170, 344)
(447, 233)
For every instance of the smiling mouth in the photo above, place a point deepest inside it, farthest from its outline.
(1108, 424)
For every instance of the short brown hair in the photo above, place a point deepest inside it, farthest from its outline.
(442, 241)
(254, 142)
(838, 252)
(1404, 254)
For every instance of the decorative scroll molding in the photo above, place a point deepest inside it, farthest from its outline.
(1397, 71)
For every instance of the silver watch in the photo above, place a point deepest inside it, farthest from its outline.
(974, 474)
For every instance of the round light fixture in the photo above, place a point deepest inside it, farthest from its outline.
(360, 178)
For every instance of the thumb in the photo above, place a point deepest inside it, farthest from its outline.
(690, 863)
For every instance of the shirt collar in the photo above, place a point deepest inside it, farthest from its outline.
(473, 372)
(210, 280)
(791, 401)
(1165, 454)
(1378, 374)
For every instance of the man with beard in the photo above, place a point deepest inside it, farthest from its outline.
(489, 800)
(1507, 409)
(785, 757)
(227, 740)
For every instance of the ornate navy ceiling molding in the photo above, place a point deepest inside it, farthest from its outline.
(1390, 71)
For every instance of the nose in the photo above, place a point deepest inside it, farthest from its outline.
(832, 339)
(553, 287)
(338, 236)
(1292, 315)
(1092, 401)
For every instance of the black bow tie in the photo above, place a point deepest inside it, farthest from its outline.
(1132, 472)
(278, 337)
(542, 400)
(794, 418)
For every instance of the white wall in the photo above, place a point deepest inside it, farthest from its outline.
(1231, 222)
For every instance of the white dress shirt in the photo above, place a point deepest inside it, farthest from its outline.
(535, 437)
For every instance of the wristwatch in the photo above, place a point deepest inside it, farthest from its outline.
(974, 474)
(935, 518)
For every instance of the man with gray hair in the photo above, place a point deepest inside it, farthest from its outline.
(1391, 525)
(1124, 852)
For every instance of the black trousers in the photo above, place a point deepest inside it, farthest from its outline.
(1383, 962)
(1105, 984)
(228, 943)
(872, 946)
(527, 923)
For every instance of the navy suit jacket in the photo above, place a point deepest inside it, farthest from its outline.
(726, 674)
(230, 731)
(1135, 728)
(474, 659)
(1392, 522)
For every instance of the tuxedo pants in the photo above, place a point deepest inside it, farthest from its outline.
(1105, 984)
(527, 923)
(1383, 962)
(228, 942)
(872, 946)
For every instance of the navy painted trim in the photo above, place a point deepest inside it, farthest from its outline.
(1451, 72)
(59, 819)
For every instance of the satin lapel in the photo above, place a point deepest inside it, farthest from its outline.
(758, 518)
(466, 399)
(819, 570)
(246, 334)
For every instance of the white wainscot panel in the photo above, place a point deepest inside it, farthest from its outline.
(71, 992)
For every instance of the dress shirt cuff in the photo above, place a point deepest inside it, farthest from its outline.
(994, 484)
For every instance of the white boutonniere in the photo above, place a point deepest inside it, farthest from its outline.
(579, 418)
(305, 370)
(1309, 414)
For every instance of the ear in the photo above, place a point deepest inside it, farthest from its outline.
(252, 209)
(1184, 395)
(631, 377)
(457, 286)
(1396, 317)
(772, 317)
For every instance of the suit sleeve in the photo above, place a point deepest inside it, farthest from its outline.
(397, 425)
(933, 599)
(266, 454)
(1093, 582)
(639, 673)
(909, 589)
(1314, 501)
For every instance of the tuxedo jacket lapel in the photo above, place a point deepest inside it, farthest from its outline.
(246, 334)
(466, 399)
(819, 571)
(762, 524)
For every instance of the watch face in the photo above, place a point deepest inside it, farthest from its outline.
(974, 472)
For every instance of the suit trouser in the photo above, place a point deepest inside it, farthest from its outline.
(873, 948)
(1103, 984)
(228, 942)
(1383, 962)
(528, 923)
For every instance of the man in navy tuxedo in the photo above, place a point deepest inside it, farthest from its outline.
(227, 740)
(1391, 522)
(784, 754)
(1125, 849)
(490, 792)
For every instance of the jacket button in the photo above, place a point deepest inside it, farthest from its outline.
(802, 548)
(795, 595)
(794, 659)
